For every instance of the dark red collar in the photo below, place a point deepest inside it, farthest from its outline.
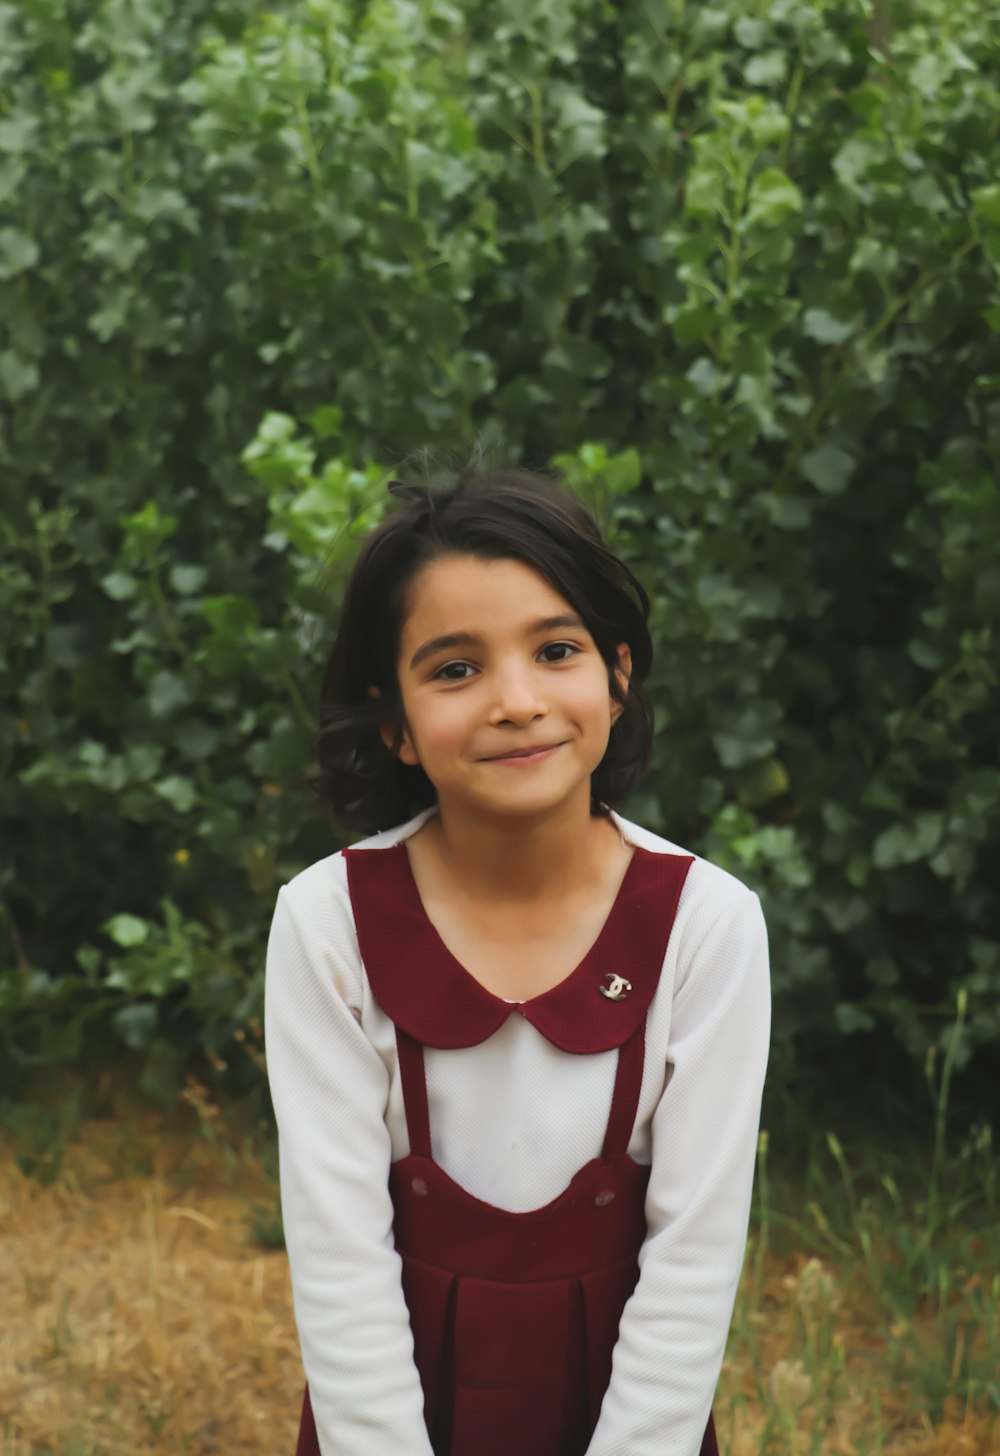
(419, 984)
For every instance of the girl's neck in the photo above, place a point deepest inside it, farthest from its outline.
(522, 861)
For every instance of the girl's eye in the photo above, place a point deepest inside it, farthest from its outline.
(460, 671)
(448, 672)
(566, 648)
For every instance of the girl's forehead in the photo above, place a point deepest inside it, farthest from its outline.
(467, 590)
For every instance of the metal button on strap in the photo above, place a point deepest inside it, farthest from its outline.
(604, 1198)
(419, 1186)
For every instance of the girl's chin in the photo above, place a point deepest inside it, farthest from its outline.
(516, 795)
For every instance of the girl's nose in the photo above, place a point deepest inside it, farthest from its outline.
(516, 699)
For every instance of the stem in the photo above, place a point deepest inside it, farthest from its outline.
(537, 129)
(299, 703)
(540, 158)
(673, 102)
(162, 608)
(788, 1416)
(762, 1237)
(305, 132)
(23, 964)
(941, 1115)
(370, 331)
(734, 256)
(791, 103)
(45, 560)
(412, 186)
(128, 154)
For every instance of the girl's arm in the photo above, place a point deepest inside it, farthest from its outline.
(329, 1088)
(673, 1332)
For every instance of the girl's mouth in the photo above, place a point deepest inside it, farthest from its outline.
(526, 755)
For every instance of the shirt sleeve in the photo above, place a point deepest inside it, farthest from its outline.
(674, 1329)
(329, 1087)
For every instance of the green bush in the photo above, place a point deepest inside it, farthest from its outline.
(733, 267)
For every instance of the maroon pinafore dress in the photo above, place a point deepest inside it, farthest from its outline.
(514, 1315)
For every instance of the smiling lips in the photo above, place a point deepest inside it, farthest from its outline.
(540, 750)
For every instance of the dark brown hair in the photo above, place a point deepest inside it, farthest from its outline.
(498, 514)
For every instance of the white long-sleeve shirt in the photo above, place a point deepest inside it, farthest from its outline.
(512, 1120)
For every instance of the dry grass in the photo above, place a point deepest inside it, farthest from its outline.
(141, 1317)
(138, 1314)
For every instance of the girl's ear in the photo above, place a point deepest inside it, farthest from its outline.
(406, 753)
(623, 672)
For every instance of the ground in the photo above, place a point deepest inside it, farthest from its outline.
(145, 1312)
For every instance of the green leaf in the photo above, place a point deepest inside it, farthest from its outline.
(89, 959)
(903, 844)
(623, 472)
(857, 871)
(197, 739)
(850, 1019)
(821, 325)
(925, 654)
(744, 740)
(773, 197)
(230, 615)
(763, 782)
(986, 202)
(855, 160)
(187, 579)
(119, 585)
(706, 193)
(18, 252)
(327, 421)
(149, 525)
(112, 316)
(18, 376)
(143, 760)
(767, 69)
(693, 323)
(275, 429)
(126, 930)
(136, 1024)
(179, 792)
(167, 693)
(768, 123)
(882, 971)
(928, 74)
(19, 133)
(750, 32)
(704, 376)
(578, 129)
(113, 244)
(828, 468)
(876, 255)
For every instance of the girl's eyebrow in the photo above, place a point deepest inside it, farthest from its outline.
(469, 639)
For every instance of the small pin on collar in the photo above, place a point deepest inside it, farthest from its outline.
(618, 988)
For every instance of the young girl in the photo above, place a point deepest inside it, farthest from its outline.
(516, 1044)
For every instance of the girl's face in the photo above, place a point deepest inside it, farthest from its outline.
(494, 662)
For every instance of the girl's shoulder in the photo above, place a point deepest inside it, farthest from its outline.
(313, 940)
(706, 883)
(329, 875)
(718, 931)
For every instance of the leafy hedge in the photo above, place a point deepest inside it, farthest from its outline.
(733, 267)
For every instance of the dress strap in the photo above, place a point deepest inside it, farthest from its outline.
(625, 1098)
(414, 1080)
